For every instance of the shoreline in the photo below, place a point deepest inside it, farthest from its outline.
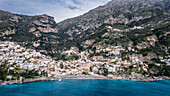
(83, 77)
(116, 78)
(28, 80)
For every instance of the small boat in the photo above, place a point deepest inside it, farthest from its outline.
(59, 79)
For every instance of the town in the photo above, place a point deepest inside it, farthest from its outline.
(107, 61)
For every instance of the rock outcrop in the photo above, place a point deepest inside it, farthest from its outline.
(8, 32)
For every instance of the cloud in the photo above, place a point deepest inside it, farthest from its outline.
(60, 9)
(72, 4)
(73, 7)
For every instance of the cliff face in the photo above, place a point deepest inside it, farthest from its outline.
(26, 29)
(42, 23)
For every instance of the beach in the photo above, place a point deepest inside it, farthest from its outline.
(148, 79)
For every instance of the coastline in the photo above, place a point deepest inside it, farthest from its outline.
(28, 80)
(82, 77)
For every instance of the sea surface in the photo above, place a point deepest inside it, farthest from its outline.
(80, 87)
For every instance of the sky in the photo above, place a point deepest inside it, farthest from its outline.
(59, 9)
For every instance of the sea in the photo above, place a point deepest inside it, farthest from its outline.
(88, 87)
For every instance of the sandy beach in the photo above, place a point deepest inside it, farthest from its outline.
(149, 79)
(84, 77)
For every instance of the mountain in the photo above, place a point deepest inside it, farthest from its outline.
(42, 33)
(27, 30)
(125, 13)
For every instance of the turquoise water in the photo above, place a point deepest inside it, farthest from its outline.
(75, 87)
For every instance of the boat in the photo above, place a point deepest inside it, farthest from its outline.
(59, 80)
